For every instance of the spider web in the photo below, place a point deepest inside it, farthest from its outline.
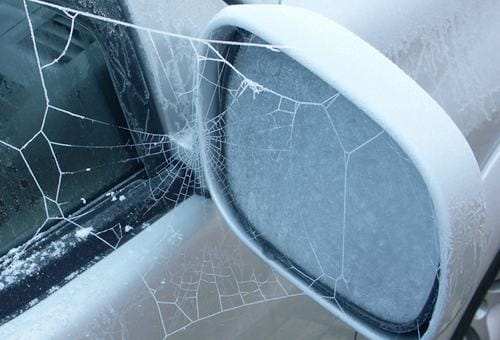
(214, 266)
(232, 279)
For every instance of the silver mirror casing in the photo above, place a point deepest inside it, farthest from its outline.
(395, 103)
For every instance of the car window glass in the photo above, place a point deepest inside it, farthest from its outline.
(54, 162)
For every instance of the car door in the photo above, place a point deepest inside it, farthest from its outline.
(135, 248)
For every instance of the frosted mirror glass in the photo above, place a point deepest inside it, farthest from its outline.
(321, 187)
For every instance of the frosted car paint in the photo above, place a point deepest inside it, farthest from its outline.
(98, 305)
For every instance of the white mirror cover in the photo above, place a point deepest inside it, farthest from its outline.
(403, 110)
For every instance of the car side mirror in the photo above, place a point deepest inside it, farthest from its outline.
(337, 169)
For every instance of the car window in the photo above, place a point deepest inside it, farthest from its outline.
(85, 162)
(48, 155)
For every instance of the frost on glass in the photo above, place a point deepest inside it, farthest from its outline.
(317, 182)
(308, 170)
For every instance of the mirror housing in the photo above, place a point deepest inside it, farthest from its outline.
(417, 125)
